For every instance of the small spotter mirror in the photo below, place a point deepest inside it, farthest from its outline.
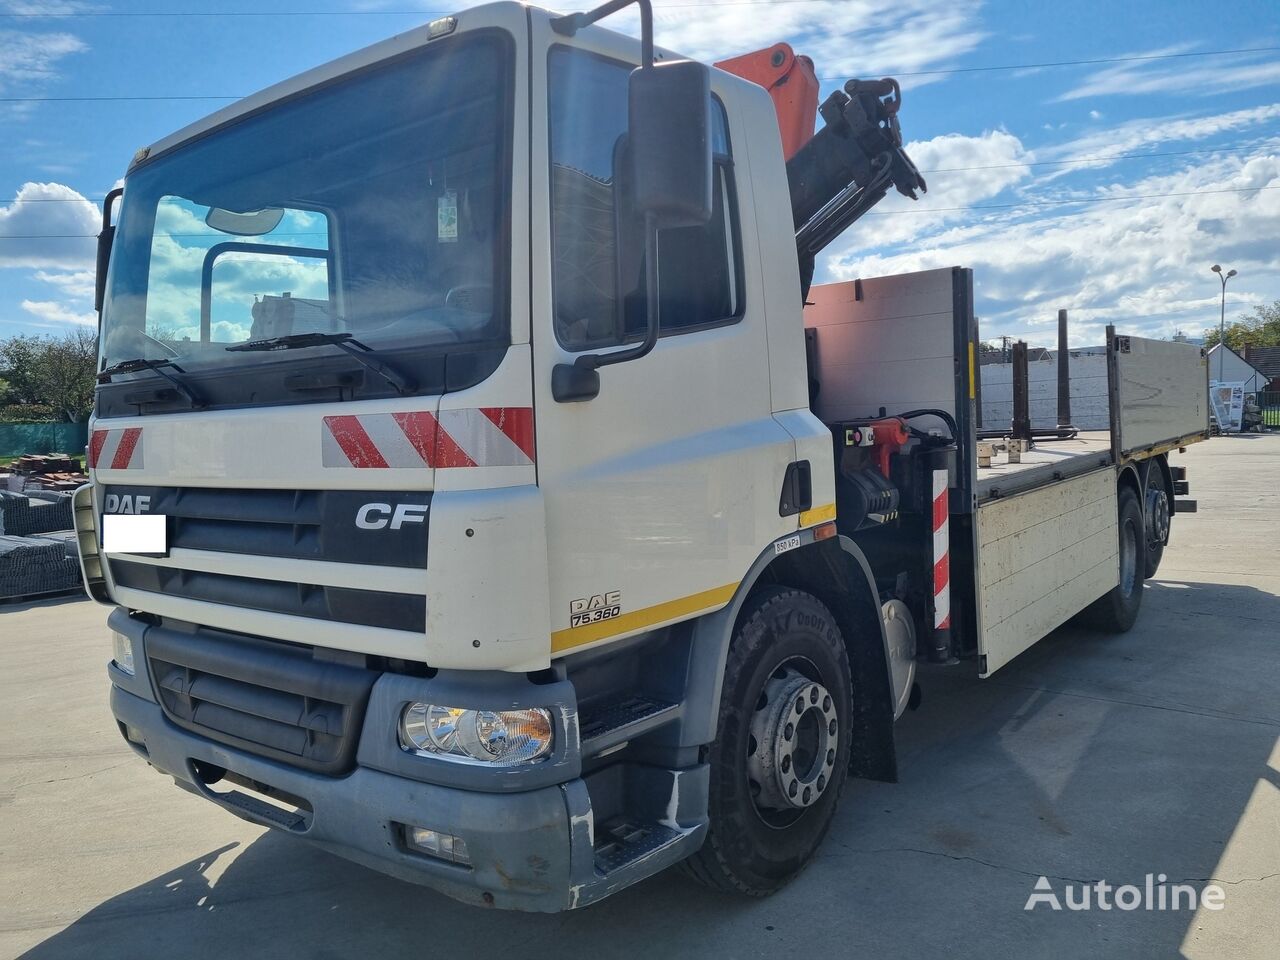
(252, 224)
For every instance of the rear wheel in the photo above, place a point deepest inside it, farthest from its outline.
(1117, 611)
(781, 755)
(1157, 512)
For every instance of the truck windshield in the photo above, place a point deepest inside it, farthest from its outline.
(375, 206)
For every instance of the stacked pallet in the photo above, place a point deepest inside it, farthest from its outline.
(53, 471)
(58, 482)
(45, 463)
(66, 539)
(36, 565)
(21, 516)
(38, 552)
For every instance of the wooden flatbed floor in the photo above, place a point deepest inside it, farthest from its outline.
(1048, 461)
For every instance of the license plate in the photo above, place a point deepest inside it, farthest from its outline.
(135, 533)
(790, 543)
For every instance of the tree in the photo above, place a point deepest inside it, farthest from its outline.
(1258, 328)
(52, 372)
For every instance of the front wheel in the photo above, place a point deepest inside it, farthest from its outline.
(1117, 610)
(781, 755)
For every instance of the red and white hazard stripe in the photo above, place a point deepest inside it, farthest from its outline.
(116, 449)
(477, 437)
(941, 554)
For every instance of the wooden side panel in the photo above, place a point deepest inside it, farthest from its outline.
(893, 347)
(1162, 392)
(1043, 556)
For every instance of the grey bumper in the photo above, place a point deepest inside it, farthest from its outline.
(521, 844)
(530, 833)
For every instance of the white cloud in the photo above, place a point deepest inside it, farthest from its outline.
(1200, 75)
(52, 313)
(1142, 265)
(960, 171)
(77, 285)
(845, 38)
(1152, 131)
(27, 57)
(46, 8)
(48, 210)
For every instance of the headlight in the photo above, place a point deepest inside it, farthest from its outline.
(122, 652)
(481, 736)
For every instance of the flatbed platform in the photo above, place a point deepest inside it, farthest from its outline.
(1046, 462)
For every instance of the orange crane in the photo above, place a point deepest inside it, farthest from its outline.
(840, 172)
(791, 82)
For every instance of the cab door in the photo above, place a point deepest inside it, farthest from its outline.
(662, 490)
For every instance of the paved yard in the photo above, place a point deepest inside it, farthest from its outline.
(1089, 758)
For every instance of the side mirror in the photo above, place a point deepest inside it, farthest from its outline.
(669, 133)
(669, 139)
(105, 239)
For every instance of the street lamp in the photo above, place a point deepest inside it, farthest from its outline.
(1222, 322)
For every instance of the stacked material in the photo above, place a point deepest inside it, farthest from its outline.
(21, 516)
(61, 482)
(54, 471)
(34, 565)
(45, 463)
(66, 539)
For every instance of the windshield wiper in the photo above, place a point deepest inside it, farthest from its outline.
(159, 366)
(343, 341)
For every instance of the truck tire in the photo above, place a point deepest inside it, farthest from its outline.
(781, 755)
(1157, 513)
(1117, 610)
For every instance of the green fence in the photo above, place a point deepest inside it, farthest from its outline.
(1270, 404)
(17, 439)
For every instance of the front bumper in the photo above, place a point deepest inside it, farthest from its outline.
(530, 835)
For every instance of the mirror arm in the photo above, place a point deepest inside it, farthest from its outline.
(577, 381)
(571, 23)
(105, 239)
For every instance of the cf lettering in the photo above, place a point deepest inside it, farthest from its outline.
(383, 516)
(373, 516)
(408, 513)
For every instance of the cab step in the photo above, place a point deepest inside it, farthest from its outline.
(606, 723)
(623, 841)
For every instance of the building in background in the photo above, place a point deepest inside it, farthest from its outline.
(1230, 367)
(1266, 360)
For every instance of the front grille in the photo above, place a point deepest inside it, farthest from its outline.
(268, 698)
(299, 524)
(308, 525)
(372, 608)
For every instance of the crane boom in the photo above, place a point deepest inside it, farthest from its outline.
(842, 171)
(792, 84)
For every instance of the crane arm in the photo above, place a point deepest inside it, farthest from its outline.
(792, 84)
(838, 174)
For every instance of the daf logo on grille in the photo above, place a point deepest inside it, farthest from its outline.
(127, 504)
(384, 516)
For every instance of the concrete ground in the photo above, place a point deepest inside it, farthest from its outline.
(1089, 758)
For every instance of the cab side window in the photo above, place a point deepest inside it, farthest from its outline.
(597, 243)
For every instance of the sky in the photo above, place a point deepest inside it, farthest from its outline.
(1108, 188)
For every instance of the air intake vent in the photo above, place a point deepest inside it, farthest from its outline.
(271, 699)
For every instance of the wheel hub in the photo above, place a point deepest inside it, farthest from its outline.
(1157, 516)
(794, 740)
